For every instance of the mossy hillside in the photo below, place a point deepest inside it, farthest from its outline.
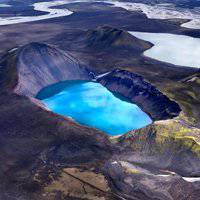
(163, 136)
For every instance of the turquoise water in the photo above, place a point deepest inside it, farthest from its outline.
(91, 104)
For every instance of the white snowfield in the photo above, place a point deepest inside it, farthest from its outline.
(41, 6)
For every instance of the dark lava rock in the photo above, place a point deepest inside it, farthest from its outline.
(139, 91)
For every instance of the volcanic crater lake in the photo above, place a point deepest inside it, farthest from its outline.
(91, 104)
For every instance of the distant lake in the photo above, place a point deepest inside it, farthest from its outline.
(46, 7)
(4, 5)
(91, 104)
(175, 49)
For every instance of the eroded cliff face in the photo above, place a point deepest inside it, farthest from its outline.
(138, 91)
(39, 65)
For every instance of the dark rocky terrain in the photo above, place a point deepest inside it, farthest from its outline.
(138, 183)
(45, 156)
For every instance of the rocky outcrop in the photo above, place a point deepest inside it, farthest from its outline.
(194, 79)
(139, 91)
(39, 65)
(131, 181)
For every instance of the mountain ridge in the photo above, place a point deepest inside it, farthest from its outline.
(109, 37)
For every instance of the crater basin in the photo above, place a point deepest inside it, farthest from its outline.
(91, 104)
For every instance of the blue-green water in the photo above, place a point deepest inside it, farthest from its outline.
(91, 104)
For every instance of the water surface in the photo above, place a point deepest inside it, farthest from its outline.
(40, 6)
(175, 49)
(91, 104)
